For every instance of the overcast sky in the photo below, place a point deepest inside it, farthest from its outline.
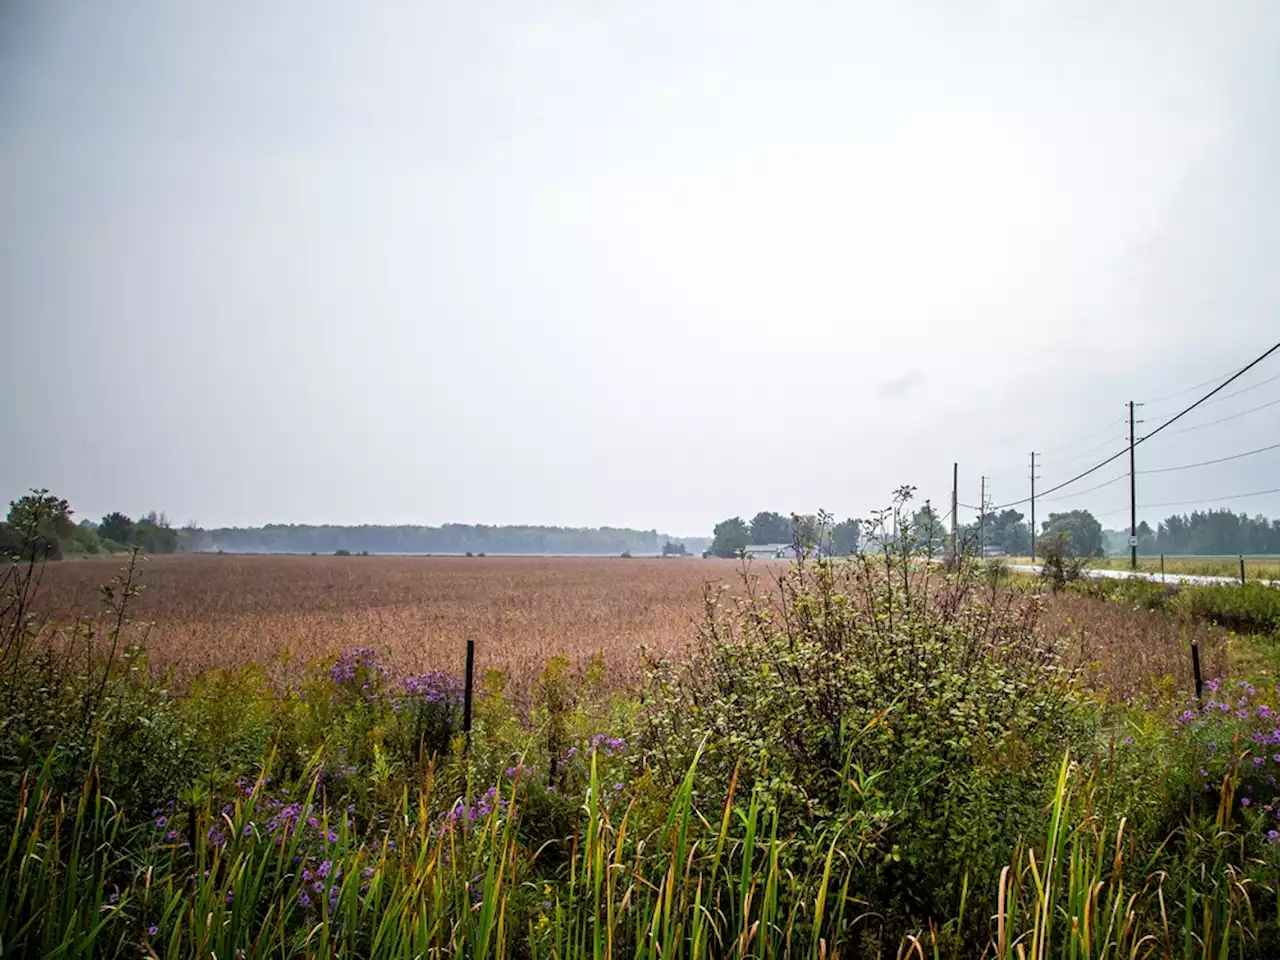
(630, 263)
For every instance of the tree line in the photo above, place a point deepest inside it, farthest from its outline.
(40, 525)
(451, 538)
(731, 537)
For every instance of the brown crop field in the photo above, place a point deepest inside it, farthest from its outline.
(286, 611)
(201, 612)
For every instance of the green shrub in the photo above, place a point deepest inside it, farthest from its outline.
(1251, 608)
(920, 712)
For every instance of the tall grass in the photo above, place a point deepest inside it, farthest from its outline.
(81, 881)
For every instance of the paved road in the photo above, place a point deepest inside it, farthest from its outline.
(1166, 578)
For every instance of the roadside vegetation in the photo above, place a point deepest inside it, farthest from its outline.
(864, 757)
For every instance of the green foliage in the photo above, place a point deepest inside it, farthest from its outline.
(918, 711)
(844, 537)
(769, 527)
(117, 527)
(153, 534)
(731, 538)
(35, 527)
(1217, 532)
(1082, 531)
(1059, 564)
(674, 549)
(1251, 608)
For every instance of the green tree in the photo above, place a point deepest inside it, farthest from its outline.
(806, 529)
(928, 530)
(769, 527)
(43, 514)
(1084, 531)
(844, 537)
(674, 549)
(36, 525)
(731, 538)
(116, 527)
(153, 534)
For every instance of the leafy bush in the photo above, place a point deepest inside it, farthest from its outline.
(1059, 566)
(920, 713)
(1251, 608)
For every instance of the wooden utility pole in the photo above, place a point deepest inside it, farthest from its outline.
(955, 506)
(1033, 506)
(982, 517)
(1133, 500)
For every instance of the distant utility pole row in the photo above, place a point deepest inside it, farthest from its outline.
(984, 507)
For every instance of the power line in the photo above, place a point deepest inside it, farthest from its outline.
(1210, 423)
(1205, 463)
(1178, 393)
(1187, 503)
(1080, 493)
(1085, 453)
(1090, 436)
(1174, 419)
(1255, 386)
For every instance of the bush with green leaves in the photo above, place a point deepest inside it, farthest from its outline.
(1249, 608)
(919, 711)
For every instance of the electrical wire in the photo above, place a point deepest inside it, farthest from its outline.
(1076, 443)
(1255, 386)
(1174, 419)
(1086, 453)
(1210, 423)
(1080, 493)
(1205, 463)
(1185, 390)
(1187, 503)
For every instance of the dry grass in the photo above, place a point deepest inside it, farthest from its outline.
(287, 611)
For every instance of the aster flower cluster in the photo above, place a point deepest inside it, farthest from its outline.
(1240, 736)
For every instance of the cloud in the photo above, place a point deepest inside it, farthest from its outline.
(901, 386)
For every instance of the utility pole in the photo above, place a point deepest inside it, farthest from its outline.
(982, 517)
(955, 482)
(1133, 500)
(1033, 506)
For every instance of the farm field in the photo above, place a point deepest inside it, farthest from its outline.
(216, 611)
(286, 612)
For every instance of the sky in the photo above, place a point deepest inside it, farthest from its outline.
(605, 262)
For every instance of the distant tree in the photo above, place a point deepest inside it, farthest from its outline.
(84, 538)
(1006, 529)
(844, 537)
(36, 525)
(153, 534)
(116, 527)
(43, 514)
(806, 530)
(927, 528)
(674, 549)
(1084, 531)
(731, 538)
(769, 527)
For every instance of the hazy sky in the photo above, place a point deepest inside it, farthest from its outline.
(628, 262)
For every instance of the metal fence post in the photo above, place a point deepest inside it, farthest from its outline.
(468, 691)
